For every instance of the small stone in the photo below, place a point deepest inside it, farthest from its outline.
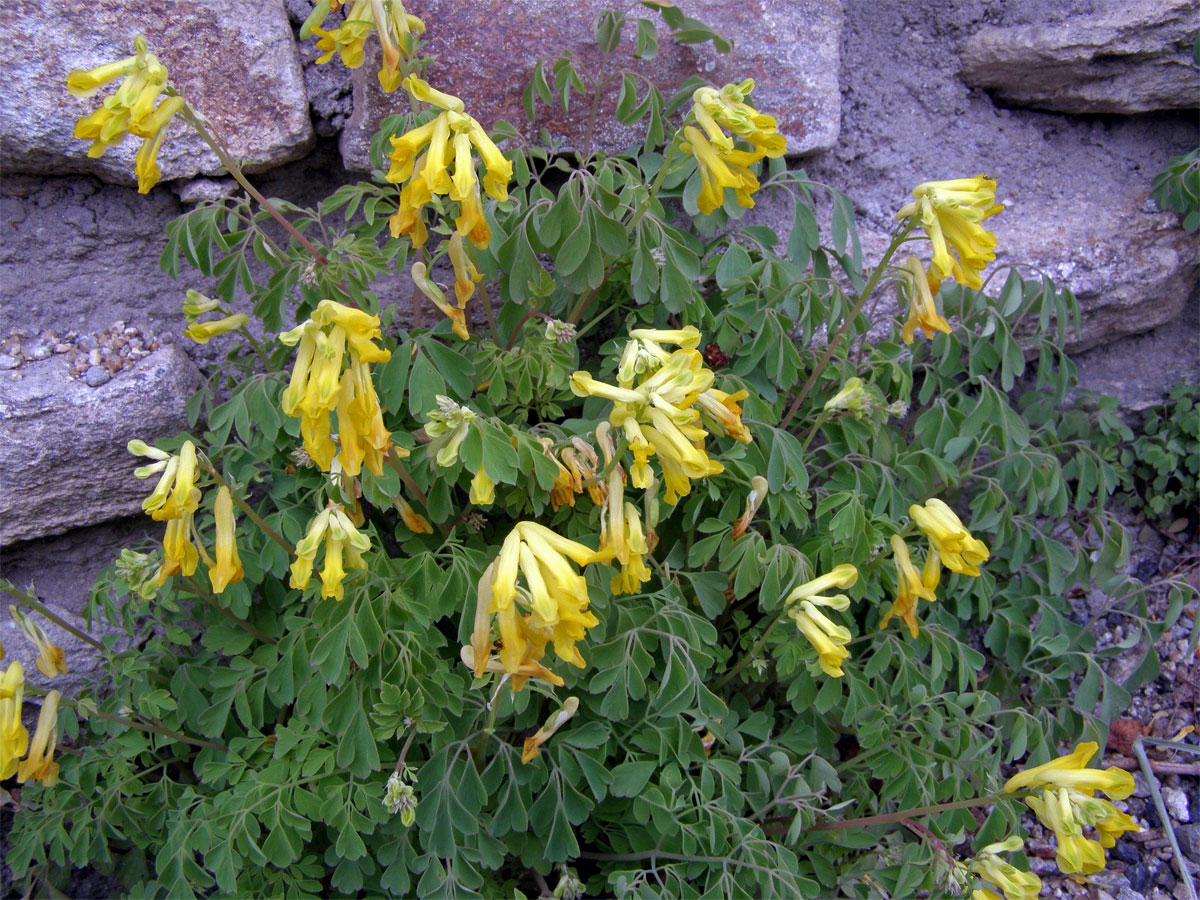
(138, 354)
(8, 362)
(1126, 852)
(41, 351)
(166, 338)
(136, 343)
(62, 348)
(86, 342)
(96, 376)
(117, 327)
(112, 362)
(95, 357)
(1139, 876)
(119, 341)
(70, 335)
(131, 331)
(1176, 802)
(1127, 894)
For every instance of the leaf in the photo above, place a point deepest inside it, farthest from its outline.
(630, 777)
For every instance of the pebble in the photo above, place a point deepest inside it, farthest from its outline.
(95, 357)
(8, 362)
(1126, 852)
(1139, 876)
(61, 348)
(41, 351)
(1176, 802)
(114, 363)
(86, 342)
(96, 376)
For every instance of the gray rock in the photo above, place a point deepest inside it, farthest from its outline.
(1176, 802)
(8, 362)
(96, 376)
(197, 190)
(63, 461)
(486, 52)
(1189, 840)
(1127, 58)
(235, 62)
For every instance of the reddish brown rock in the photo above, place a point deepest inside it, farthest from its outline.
(485, 52)
(235, 61)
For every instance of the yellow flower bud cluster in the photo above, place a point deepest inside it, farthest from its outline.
(1067, 805)
(657, 404)
(828, 638)
(343, 543)
(39, 764)
(995, 872)
(175, 500)
(195, 305)
(131, 110)
(387, 17)
(950, 212)
(622, 538)
(720, 162)
(422, 158)
(331, 375)
(578, 468)
(550, 607)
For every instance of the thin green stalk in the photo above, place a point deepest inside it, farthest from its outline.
(830, 347)
(208, 598)
(749, 655)
(245, 507)
(886, 818)
(24, 599)
(490, 313)
(204, 129)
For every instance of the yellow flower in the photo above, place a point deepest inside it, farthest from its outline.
(422, 156)
(754, 500)
(1077, 855)
(909, 586)
(324, 381)
(1015, 884)
(342, 541)
(447, 428)
(50, 660)
(228, 568)
(203, 332)
(726, 411)
(465, 274)
(176, 494)
(715, 175)
(39, 764)
(727, 108)
(413, 520)
(14, 738)
(428, 287)
(950, 213)
(922, 311)
(826, 636)
(388, 17)
(956, 548)
(552, 724)
(483, 489)
(179, 553)
(1070, 771)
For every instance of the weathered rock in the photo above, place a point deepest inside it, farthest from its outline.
(486, 52)
(1128, 58)
(63, 461)
(234, 61)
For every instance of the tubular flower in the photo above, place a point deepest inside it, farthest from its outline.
(227, 569)
(909, 586)
(622, 538)
(1012, 882)
(413, 520)
(39, 764)
(566, 485)
(554, 594)
(477, 655)
(335, 347)
(388, 17)
(543, 734)
(724, 410)
(50, 660)
(422, 157)
(922, 311)
(954, 545)
(343, 543)
(754, 500)
(483, 489)
(950, 213)
(203, 332)
(130, 110)
(1070, 771)
(447, 427)
(826, 636)
(176, 494)
(465, 274)
(431, 290)
(853, 398)
(14, 738)
(720, 163)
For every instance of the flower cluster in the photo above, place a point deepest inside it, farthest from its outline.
(720, 162)
(39, 761)
(50, 660)
(826, 636)
(657, 405)
(344, 545)
(622, 537)
(387, 17)
(399, 796)
(950, 213)
(422, 158)
(998, 873)
(577, 466)
(922, 310)
(323, 382)
(175, 500)
(131, 110)
(1068, 804)
(554, 594)
(950, 544)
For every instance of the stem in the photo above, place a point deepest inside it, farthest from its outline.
(204, 129)
(404, 749)
(812, 432)
(903, 814)
(847, 322)
(248, 509)
(490, 313)
(521, 324)
(394, 461)
(208, 598)
(257, 347)
(749, 655)
(24, 599)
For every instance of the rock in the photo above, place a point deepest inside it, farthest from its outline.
(1126, 852)
(1139, 876)
(235, 62)
(197, 190)
(1126, 58)
(1176, 802)
(1127, 893)
(96, 376)
(1189, 841)
(8, 362)
(63, 461)
(486, 51)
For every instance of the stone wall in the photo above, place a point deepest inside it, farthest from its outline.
(1073, 106)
